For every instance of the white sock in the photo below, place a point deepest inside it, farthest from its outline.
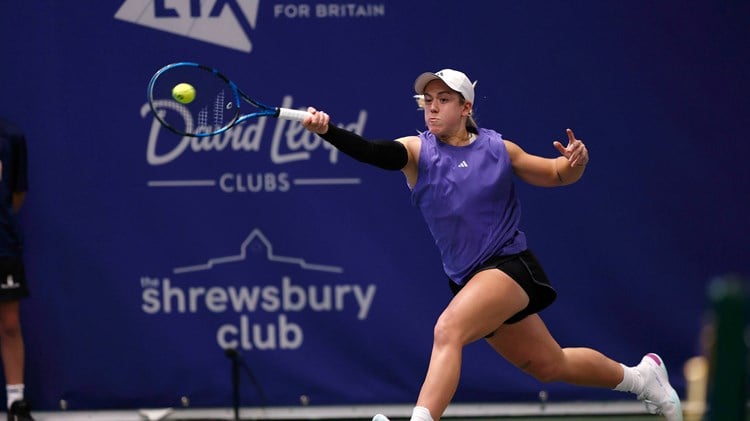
(420, 413)
(631, 380)
(14, 393)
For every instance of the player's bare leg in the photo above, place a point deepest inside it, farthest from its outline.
(483, 304)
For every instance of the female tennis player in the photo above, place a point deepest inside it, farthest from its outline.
(461, 178)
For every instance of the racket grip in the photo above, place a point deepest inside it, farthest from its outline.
(290, 114)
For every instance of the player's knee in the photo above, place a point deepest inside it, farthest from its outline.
(544, 371)
(10, 331)
(445, 332)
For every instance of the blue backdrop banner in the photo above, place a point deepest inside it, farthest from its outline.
(148, 254)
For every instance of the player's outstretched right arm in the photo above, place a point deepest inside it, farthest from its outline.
(385, 154)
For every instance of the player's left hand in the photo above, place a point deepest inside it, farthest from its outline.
(576, 151)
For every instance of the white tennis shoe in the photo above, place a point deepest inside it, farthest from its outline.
(658, 394)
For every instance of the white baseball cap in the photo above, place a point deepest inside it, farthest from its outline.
(455, 80)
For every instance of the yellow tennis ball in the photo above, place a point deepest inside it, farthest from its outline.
(184, 93)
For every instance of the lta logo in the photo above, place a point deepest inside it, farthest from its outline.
(222, 22)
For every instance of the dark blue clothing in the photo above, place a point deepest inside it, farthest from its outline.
(13, 179)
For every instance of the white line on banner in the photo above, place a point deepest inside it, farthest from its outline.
(181, 183)
(325, 181)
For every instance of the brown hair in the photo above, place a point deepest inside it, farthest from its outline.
(471, 124)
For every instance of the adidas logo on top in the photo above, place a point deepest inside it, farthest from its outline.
(463, 164)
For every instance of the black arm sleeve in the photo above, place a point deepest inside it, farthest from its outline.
(385, 154)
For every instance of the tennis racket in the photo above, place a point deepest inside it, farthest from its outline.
(211, 108)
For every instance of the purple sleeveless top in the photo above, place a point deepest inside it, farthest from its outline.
(467, 197)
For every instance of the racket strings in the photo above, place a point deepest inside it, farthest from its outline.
(203, 117)
(219, 109)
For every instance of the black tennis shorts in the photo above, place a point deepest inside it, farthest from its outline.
(12, 279)
(525, 269)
